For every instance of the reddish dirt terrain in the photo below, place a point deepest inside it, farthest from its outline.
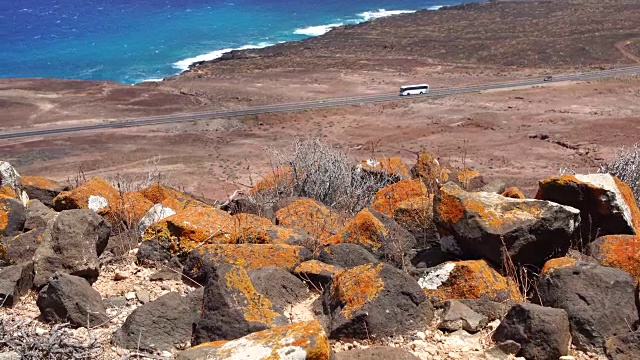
(521, 135)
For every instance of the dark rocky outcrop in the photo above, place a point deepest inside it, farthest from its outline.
(12, 217)
(72, 244)
(600, 301)
(279, 286)
(543, 333)
(480, 225)
(458, 316)
(346, 255)
(231, 306)
(161, 324)
(38, 215)
(71, 298)
(375, 300)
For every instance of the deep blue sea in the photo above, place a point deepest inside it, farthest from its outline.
(130, 41)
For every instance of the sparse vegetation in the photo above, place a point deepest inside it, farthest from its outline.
(626, 166)
(325, 173)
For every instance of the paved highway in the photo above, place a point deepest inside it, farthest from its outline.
(356, 100)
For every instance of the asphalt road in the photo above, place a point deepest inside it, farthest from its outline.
(356, 100)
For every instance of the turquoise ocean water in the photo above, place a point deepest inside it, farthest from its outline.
(133, 41)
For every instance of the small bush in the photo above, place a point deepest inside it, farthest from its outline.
(324, 173)
(626, 166)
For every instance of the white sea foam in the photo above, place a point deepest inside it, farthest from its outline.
(184, 64)
(380, 13)
(316, 30)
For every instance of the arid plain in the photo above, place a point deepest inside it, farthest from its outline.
(520, 135)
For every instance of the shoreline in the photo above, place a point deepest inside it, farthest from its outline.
(312, 31)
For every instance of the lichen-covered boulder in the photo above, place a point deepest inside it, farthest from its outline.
(191, 227)
(13, 215)
(43, 189)
(607, 205)
(377, 233)
(375, 300)
(304, 340)
(472, 279)
(479, 224)
(248, 256)
(310, 216)
(600, 301)
(10, 182)
(390, 167)
(416, 215)
(389, 197)
(231, 306)
(130, 208)
(96, 194)
(618, 251)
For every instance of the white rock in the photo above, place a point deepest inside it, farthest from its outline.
(9, 176)
(97, 202)
(155, 214)
(130, 295)
(435, 278)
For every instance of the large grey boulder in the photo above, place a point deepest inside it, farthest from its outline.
(71, 298)
(600, 301)
(282, 288)
(38, 215)
(543, 333)
(12, 217)
(72, 244)
(476, 225)
(161, 324)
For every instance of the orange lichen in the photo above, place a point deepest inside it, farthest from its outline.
(170, 198)
(130, 208)
(315, 267)
(389, 166)
(39, 182)
(4, 215)
(253, 256)
(428, 169)
(513, 192)
(622, 252)
(357, 286)
(7, 192)
(389, 197)
(630, 200)
(191, 227)
(309, 215)
(465, 175)
(557, 263)
(78, 198)
(255, 307)
(450, 208)
(280, 178)
(364, 229)
(475, 279)
(271, 234)
(499, 215)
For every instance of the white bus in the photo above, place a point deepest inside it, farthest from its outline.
(414, 89)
